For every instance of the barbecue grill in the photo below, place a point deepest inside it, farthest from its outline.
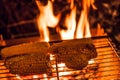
(106, 66)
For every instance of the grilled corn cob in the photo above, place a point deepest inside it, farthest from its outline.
(28, 64)
(75, 53)
(27, 59)
(25, 48)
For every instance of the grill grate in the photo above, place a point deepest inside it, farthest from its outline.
(105, 67)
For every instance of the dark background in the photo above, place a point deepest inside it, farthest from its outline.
(17, 17)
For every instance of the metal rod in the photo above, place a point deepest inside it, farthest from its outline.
(57, 72)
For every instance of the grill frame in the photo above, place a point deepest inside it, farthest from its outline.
(57, 71)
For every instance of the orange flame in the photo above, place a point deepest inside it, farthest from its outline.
(48, 19)
(70, 23)
(83, 24)
(100, 31)
(45, 19)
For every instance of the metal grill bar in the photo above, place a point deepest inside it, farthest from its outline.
(106, 62)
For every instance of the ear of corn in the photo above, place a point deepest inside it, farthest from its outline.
(28, 64)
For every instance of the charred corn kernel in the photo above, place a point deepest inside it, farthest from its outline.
(28, 64)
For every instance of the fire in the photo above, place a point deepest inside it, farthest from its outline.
(70, 23)
(74, 29)
(100, 30)
(83, 23)
(46, 19)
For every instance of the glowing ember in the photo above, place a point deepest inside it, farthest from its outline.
(91, 61)
(61, 65)
(45, 76)
(35, 76)
(52, 57)
(18, 77)
(64, 73)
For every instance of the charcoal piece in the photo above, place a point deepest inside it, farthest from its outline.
(28, 64)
